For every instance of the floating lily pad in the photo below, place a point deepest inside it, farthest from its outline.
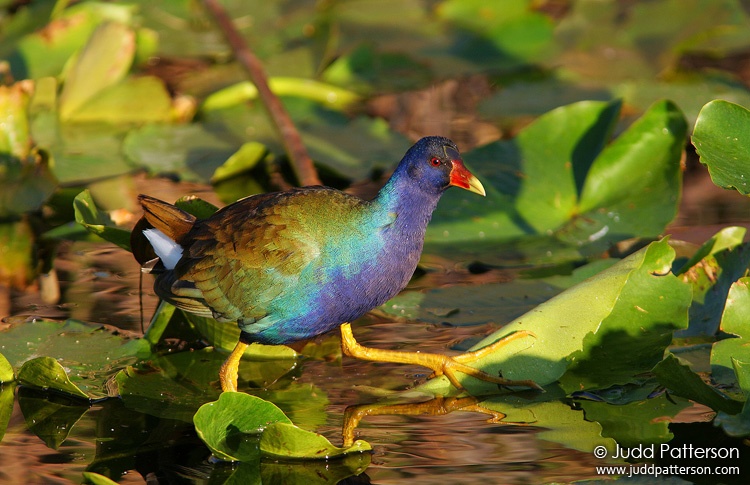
(559, 422)
(134, 100)
(46, 373)
(175, 386)
(6, 370)
(284, 440)
(235, 426)
(636, 423)
(502, 34)
(738, 424)
(25, 173)
(623, 316)
(103, 62)
(81, 152)
(726, 238)
(498, 303)
(44, 52)
(192, 151)
(225, 335)
(7, 395)
(231, 425)
(85, 356)
(677, 376)
(722, 139)
(711, 278)
(734, 323)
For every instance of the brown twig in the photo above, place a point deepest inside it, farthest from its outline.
(290, 137)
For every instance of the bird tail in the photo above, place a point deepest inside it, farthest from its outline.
(170, 221)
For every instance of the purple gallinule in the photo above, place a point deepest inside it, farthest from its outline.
(287, 266)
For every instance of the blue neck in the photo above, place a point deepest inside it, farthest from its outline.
(411, 203)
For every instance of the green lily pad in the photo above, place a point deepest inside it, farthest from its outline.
(559, 177)
(196, 206)
(81, 152)
(623, 316)
(616, 45)
(7, 397)
(98, 222)
(368, 69)
(235, 427)
(103, 62)
(175, 386)
(677, 376)
(24, 172)
(559, 422)
(640, 422)
(27, 185)
(6, 370)
(725, 352)
(47, 373)
(228, 425)
(134, 100)
(711, 279)
(44, 52)
(726, 238)
(14, 139)
(284, 440)
(498, 303)
(503, 34)
(172, 387)
(688, 91)
(738, 424)
(742, 371)
(722, 139)
(349, 147)
(305, 404)
(85, 356)
(192, 151)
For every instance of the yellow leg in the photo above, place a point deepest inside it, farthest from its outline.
(228, 372)
(439, 363)
(434, 407)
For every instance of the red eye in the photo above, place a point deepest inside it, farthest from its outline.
(435, 162)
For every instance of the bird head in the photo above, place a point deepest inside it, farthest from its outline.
(436, 164)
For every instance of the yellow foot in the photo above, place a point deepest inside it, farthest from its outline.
(228, 372)
(439, 363)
